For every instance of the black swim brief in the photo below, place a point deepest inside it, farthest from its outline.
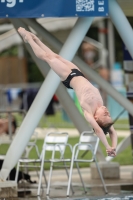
(75, 72)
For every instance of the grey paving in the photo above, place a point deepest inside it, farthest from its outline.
(108, 197)
(118, 188)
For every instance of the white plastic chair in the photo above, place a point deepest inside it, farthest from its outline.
(32, 144)
(87, 142)
(54, 142)
(26, 163)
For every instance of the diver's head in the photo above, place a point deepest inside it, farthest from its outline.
(102, 117)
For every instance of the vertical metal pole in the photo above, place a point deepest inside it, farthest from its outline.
(128, 69)
(102, 40)
(111, 47)
(102, 32)
(122, 25)
(41, 101)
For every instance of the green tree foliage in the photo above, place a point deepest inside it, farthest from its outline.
(13, 51)
(34, 74)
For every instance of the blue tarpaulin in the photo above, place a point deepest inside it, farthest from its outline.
(126, 54)
(52, 8)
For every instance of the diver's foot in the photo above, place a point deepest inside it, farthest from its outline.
(22, 31)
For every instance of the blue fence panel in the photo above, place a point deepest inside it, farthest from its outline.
(115, 108)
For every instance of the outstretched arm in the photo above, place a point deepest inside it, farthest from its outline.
(113, 137)
(99, 132)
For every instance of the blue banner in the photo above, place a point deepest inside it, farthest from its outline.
(52, 8)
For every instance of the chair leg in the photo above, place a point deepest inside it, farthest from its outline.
(45, 178)
(70, 173)
(101, 176)
(40, 178)
(68, 178)
(36, 169)
(38, 174)
(17, 171)
(24, 184)
(81, 177)
(49, 179)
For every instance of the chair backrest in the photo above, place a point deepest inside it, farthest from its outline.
(55, 141)
(31, 145)
(88, 137)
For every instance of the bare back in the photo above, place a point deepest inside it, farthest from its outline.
(88, 96)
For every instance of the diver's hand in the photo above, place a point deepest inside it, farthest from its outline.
(111, 152)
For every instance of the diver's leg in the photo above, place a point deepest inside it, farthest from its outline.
(50, 57)
(45, 48)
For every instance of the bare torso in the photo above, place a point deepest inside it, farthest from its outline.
(88, 95)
